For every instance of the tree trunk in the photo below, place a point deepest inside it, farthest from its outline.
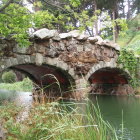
(114, 27)
(123, 9)
(115, 16)
(129, 10)
(96, 21)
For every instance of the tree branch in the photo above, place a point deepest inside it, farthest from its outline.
(57, 6)
(6, 5)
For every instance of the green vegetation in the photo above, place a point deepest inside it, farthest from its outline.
(130, 49)
(130, 40)
(15, 23)
(25, 85)
(53, 121)
(63, 15)
(9, 77)
(129, 62)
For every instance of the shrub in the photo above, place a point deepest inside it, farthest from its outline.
(9, 77)
(26, 84)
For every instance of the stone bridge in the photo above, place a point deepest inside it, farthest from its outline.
(67, 64)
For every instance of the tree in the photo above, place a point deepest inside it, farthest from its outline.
(136, 6)
(62, 15)
(15, 23)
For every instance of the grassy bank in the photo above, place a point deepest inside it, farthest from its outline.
(54, 122)
(25, 85)
(131, 39)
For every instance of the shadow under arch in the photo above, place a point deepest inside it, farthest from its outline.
(112, 81)
(48, 77)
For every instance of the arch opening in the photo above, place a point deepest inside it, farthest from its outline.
(112, 81)
(50, 80)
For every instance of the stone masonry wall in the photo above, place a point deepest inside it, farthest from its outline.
(77, 50)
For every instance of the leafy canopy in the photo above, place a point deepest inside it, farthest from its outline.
(15, 23)
(16, 20)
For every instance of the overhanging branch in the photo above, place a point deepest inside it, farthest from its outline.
(6, 5)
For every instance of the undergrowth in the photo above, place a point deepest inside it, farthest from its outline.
(25, 85)
(54, 121)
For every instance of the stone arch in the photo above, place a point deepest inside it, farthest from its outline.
(27, 64)
(101, 65)
(109, 80)
(27, 59)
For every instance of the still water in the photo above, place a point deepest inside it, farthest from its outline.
(114, 109)
(20, 98)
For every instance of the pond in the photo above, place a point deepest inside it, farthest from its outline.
(114, 109)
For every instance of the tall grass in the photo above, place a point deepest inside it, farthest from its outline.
(54, 121)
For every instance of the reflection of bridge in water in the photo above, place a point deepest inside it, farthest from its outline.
(67, 64)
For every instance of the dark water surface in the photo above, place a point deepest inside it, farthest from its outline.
(114, 109)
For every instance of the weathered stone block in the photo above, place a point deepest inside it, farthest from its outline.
(62, 65)
(80, 48)
(22, 50)
(51, 61)
(39, 59)
(14, 61)
(75, 33)
(45, 33)
(20, 59)
(8, 63)
(93, 39)
(65, 35)
(27, 59)
(82, 37)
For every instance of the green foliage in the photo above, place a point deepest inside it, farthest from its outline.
(84, 20)
(129, 62)
(9, 77)
(135, 46)
(15, 23)
(122, 25)
(25, 85)
(108, 24)
(75, 3)
(132, 35)
(54, 121)
(63, 15)
(44, 19)
(16, 20)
